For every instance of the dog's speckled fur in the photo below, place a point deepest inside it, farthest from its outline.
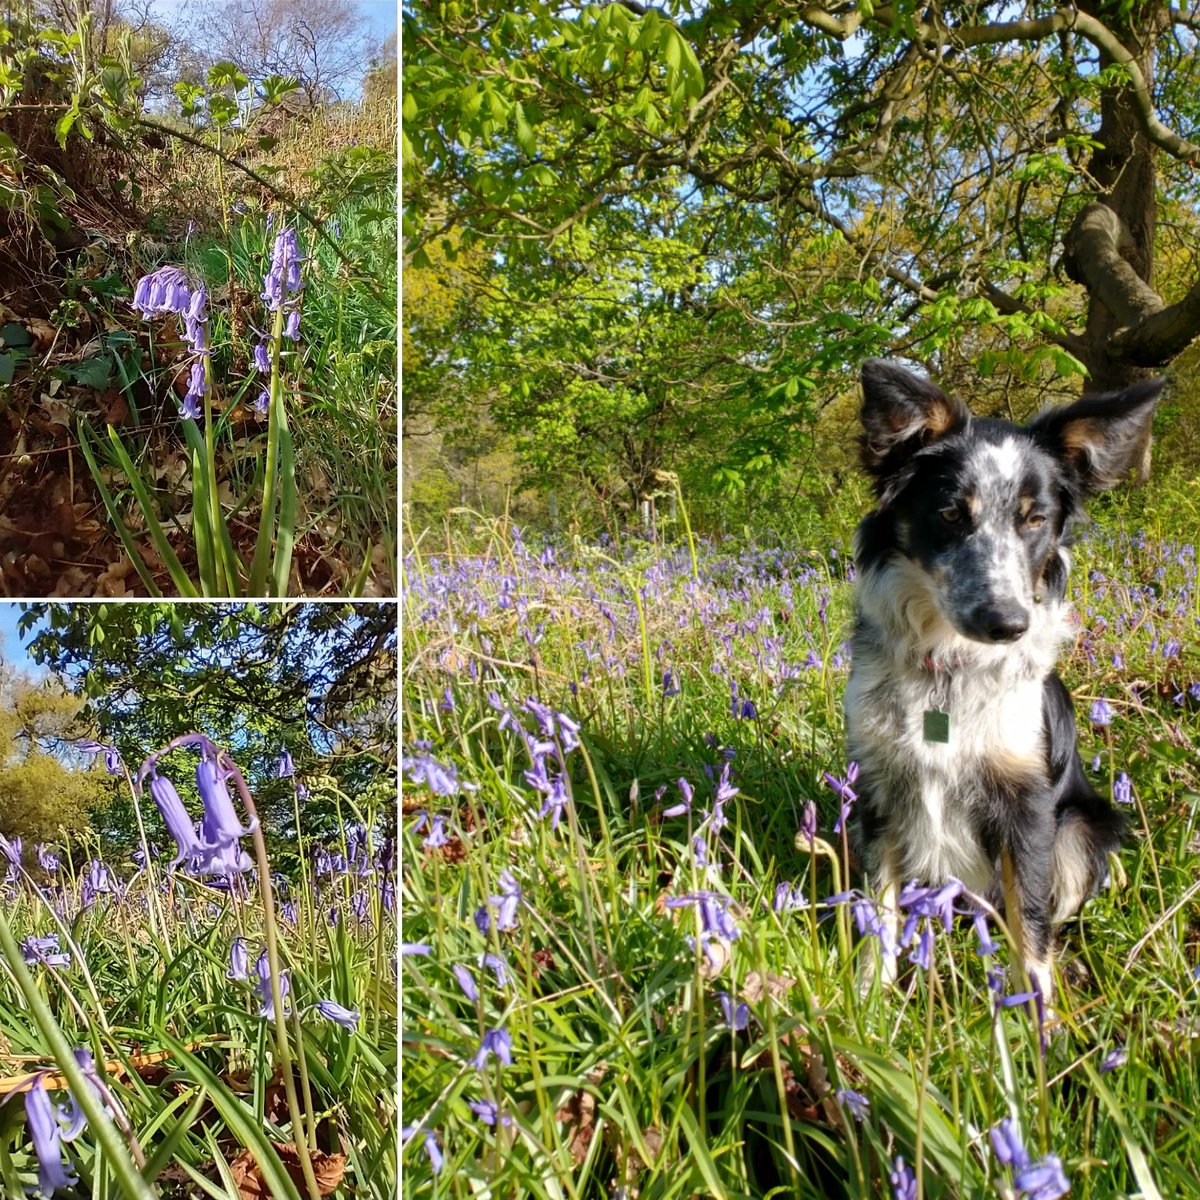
(961, 605)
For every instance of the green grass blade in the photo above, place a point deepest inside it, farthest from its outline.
(201, 533)
(281, 568)
(226, 573)
(243, 1124)
(164, 1152)
(146, 503)
(110, 506)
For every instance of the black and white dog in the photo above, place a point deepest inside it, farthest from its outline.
(963, 733)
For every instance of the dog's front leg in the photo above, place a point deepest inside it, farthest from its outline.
(1026, 873)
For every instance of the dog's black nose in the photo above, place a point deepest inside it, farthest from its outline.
(1003, 622)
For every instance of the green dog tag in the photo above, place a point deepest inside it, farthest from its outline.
(937, 725)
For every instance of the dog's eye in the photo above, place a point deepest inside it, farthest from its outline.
(951, 515)
(1035, 521)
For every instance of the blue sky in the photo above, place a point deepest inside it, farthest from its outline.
(11, 648)
(381, 14)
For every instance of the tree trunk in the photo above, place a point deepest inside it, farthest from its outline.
(1123, 169)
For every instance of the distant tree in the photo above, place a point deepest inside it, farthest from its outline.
(382, 78)
(41, 796)
(325, 44)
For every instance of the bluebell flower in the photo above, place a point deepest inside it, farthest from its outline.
(498, 967)
(1123, 788)
(432, 1149)
(347, 1018)
(497, 1042)
(489, 1112)
(856, 1102)
(263, 987)
(1007, 1144)
(46, 1135)
(415, 948)
(903, 1181)
(737, 1016)
(441, 779)
(1044, 1180)
(285, 768)
(507, 902)
(239, 960)
(179, 824)
(44, 950)
(47, 859)
(436, 837)
(1113, 1059)
(466, 981)
(1101, 712)
(808, 822)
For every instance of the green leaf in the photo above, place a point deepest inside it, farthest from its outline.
(227, 74)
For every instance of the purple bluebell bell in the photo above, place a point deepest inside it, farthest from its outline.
(1101, 712)
(1007, 1144)
(347, 1018)
(239, 960)
(49, 861)
(1113, 1059)
(46, 1135)
(498, 967)
(495, 1042)
(677, 810)
(166, 290)
(737, 1015)
(507, 902)
(903, 1181)
(176, 818)
(437, 837)
(422, 949)
(97, 881)
(808, 823)
(1123, 788)
(845, 790)
(466, 981)
(44, 950)
(856, 1102)
(1043, 1180)
(441, 779)
(285, 768)
(489, 1112)
(12, 850)
(556, 801)
(263, 987)
(432, 1149)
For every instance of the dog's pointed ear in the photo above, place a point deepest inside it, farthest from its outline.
(902, 412)
(1100, 438)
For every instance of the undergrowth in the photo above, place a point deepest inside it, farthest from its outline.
(622, 972)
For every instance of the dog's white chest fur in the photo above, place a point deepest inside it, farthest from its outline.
(935, 793)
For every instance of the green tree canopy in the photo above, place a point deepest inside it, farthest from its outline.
(699, 218)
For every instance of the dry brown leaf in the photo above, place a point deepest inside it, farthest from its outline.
(777, 987)
(329, 1170)
(579, 1115)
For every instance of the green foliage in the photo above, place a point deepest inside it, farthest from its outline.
(41, 798)
(677, 212)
